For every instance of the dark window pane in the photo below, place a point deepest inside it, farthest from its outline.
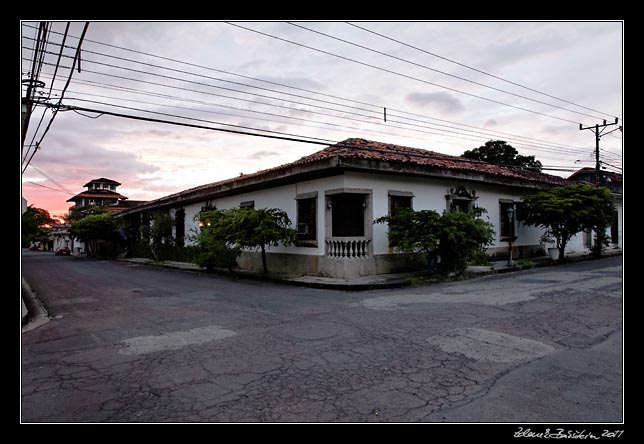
(306, 219)
(507, 219)
(396, 203)
(462, 205)
(614, 229)
(180, 224)
(347, 215)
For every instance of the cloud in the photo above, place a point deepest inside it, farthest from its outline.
(490, 123)
(441, 102)
(257, 155)
(556, 130)
(252, 65)
(89, 160)
(525, 47)
(161, 133)
(296, 81)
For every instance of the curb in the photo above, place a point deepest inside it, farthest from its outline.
(362, 286)
(36, 313)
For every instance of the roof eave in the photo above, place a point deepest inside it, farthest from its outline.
(273, 178)
(328, 167)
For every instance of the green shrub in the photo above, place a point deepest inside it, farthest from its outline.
(217, 255)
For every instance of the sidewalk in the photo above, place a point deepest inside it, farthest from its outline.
(379, 281)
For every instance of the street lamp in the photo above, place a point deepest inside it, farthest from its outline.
(510, 213)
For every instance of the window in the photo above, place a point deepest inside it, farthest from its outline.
(145, 227)
(521, 211)
(347, 215)
(507, 217)
(461, 205)
(397, 201)
(460, 199)
(180, 226)
(247, 204)
(614, 229)
(307, 220)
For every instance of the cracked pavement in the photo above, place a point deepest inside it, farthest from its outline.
(133, 343)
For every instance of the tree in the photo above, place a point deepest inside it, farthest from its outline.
(249, 228)
(567, 210)
(454, 237)
(462, 235)
(500, 152)
(160, 233)
(93, 229)
(214, 252)
(77, 213)
(414, 231)
(36, 224)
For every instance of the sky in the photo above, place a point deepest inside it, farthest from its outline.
(446, 86)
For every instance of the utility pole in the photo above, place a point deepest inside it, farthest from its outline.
(27, 102)
(596, 129)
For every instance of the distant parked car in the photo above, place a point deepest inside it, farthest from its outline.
(33, 248)
(64, 251)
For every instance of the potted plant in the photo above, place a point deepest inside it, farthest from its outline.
(549, 240)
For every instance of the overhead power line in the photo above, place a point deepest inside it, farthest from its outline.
(442, 72)
(389, 125)
(33, 82)
(378, 107)
(606, 163)
(477, 70)
(50, 188)
(69, 78)
(60, 54)
(567, 150)
(332, 125)
(401, 74)
(376, 121)
(295, 138)
(76, 108)
(51, 179)
(487, 133)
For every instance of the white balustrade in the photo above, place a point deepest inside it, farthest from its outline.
(347, 247)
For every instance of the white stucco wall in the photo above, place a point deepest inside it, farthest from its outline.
(279, 197)
(576, 244)
(428, 194)
(61, 241)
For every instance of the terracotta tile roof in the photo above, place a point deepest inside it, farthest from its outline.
(615, 177)
(354, 148)
(102, 180)
(100, 194)
(132, 203)
(385, 152)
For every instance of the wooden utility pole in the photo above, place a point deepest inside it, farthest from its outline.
(598, 133)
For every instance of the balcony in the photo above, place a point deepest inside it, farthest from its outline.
(347, 247)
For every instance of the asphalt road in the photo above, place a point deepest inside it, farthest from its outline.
(134, 343)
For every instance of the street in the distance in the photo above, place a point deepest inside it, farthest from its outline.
(135, 343)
